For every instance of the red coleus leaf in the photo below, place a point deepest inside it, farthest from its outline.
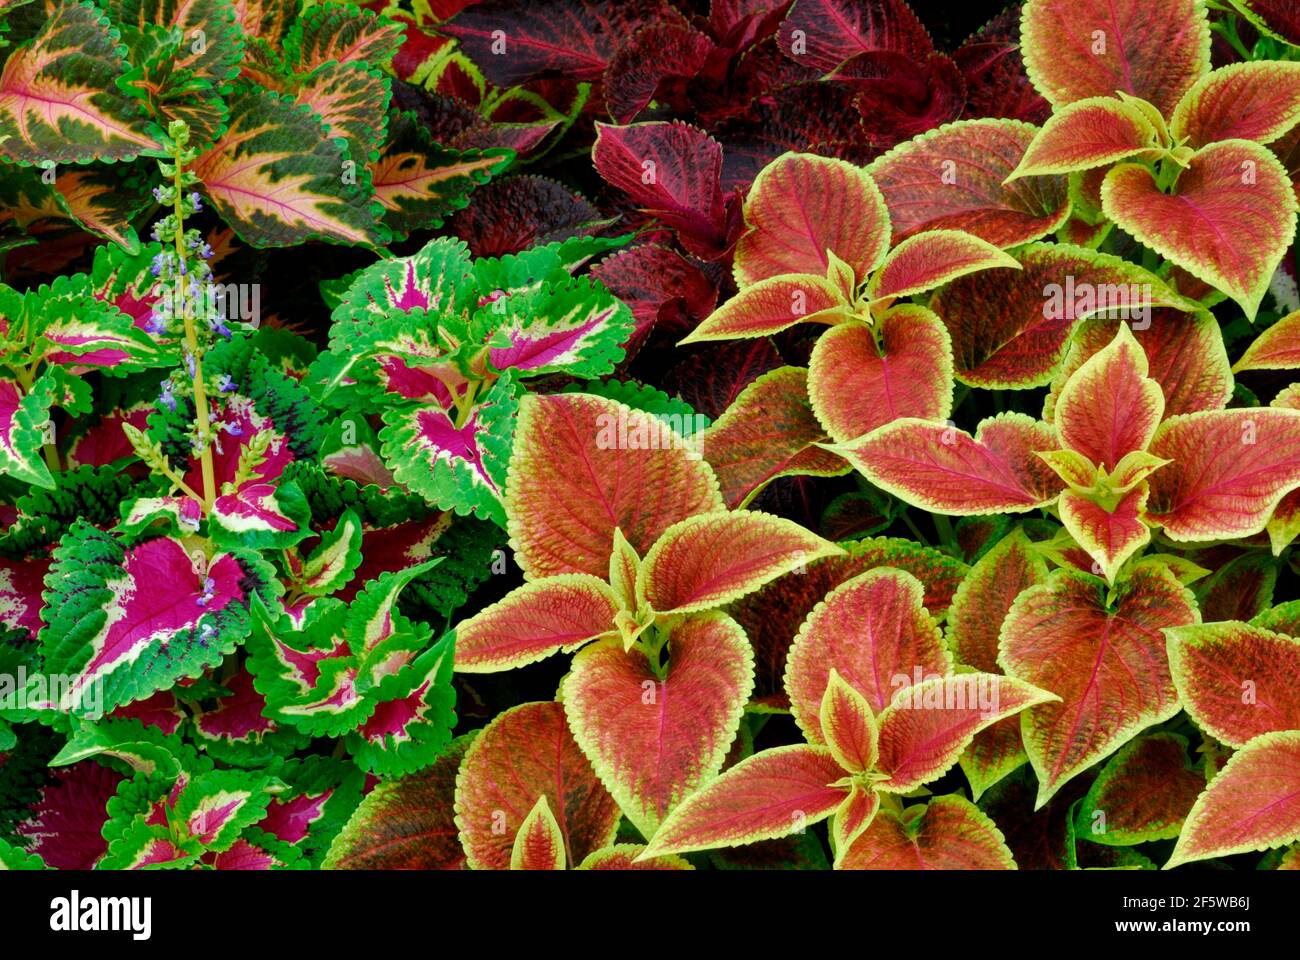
(1229, 220)
(1237, 681)
(1010, 330)
(873, 631)
(769, 306)
(1228, 470)
(661, 287)
(788, 231)
(862, 377)
(653, 739)
(510, 215)
(899, 97)
(1251, 804)
(1095, 132)
(651, 60)
(709, 560)
(771, 794)
(1142, 794)
(525, 753)
(996, 82)
(954, 178)
(1075, 49)
(539, 844)
(712, 380)
(406, 823)
(1277, 348)
(1105, 661)
(927, 725)
(626, 856)
(847, 722)
(931, 259)
(574, 39)
(1257, 101)
(20, 593)
(1185, 355)
(948, 833)
(1109, 407)
(825, 33)
(636, 474)
(541, 618)
(1109, 536)
(65, 827)
(940, 468)
(673, 172)
(769, 432)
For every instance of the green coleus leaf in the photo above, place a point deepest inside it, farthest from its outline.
(125, 622)
(279, 179)
(16, 858)
(24, 429)
(59, 102)
(335, 559)
(260, 515)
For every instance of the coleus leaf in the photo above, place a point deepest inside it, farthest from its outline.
(768, 306)
(940, 468)
(626, 856)
(786, 237)
(24, 417)
(655, 739)
(1237, 681)
(215, 60)
(1010, 330)
(650, 59)
(273, 196)
(260, 515)
(64, 827)
(555, 613)
(970, 160)
(770, 431)
(874, 632)
(1109, 536)
(335, 559)
(1106, 662)
(832, 31)
(1241, 589)
(862, 377)
(131, 621)
(930, 259)
(1277, 348)
(773, 793)
(1249, 805)
(626, 453)
(454, 465)
(1094, 132)
(539, 844)
(406, 823)
(927, 725)
(1228, 470)
(709, 560)
(351, 99)
(1233, 189)
(847, 723)
(1143, 793)
(1257, 101)
(59, 101)
(343, 34)
(1094, 48)
(948, 833)
(524, 753)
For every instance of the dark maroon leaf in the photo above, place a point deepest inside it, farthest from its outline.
(506, 216)
(712, 379)
(900, 97)
(656, 59)
(996, 82)
(835, 30)
(664, 289)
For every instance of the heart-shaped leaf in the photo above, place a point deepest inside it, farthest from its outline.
(948, 833)
(1257, 101)
(1095, 132)
(1143, 793)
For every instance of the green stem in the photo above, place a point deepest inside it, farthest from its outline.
(916, 531)
(944, 526)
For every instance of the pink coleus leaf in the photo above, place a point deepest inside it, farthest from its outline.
(1257, 101)
(1110, 407)
(770, 431)
(261, 515)
(1075, 49)
(771, 794)
(771, 305)
(852, 818)
(524, 753)
(1229, 220)
(673, 172)
(715, 558)
(948, 833)
(875, 634)
(828, 32)
(862, 377)
(21, 583)
(653, 740)
(1277, 348)
(624, 856)
(1110, 536)
(539, 844)
(1185, 355)
(937, 467)
(1105, 662)
(538, 619)
(1089, 133)
(65, 825)
(1237, 681)
(927, 725)
(236, 718)
(848, 724)
(788, 234)
(1228, 470)
(562, 519)
(1250, 805)
(1142, 794)
(931, 259)
(953, 178)
(1010, 330)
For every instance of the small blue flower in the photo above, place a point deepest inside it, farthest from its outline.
(196, 202)
(219, 327)
(189, 363)
(166, 398)
(225, 384)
